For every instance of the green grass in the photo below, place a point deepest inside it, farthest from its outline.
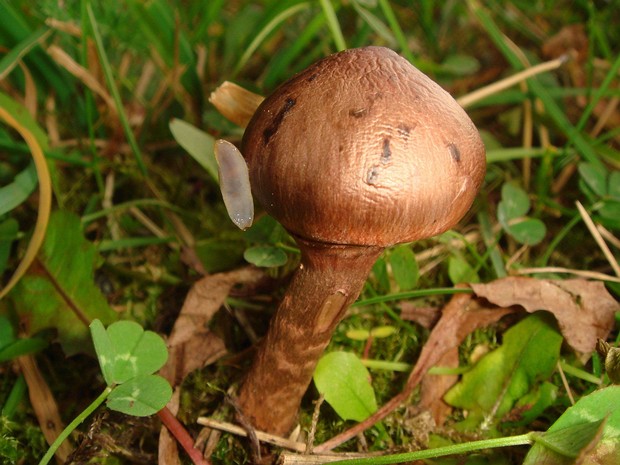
(155, 216)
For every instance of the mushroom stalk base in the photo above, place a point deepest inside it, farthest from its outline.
(329, 279)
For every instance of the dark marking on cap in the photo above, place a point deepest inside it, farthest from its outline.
(455, 153)
(387, 152)
(277, 120)
(312, 77)
(358, 112)
(404, 130)
(372, 175)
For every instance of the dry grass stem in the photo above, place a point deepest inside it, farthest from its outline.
(607, 113)
(67, 27)
(106, 203)
(598, 238)
(604, 232)
(556, 269)
(85, 76)
(477, 95)
(569, 392)
(263, 437)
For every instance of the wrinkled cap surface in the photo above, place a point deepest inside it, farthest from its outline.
(363, 148)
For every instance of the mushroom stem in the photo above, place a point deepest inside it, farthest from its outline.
(330, 278)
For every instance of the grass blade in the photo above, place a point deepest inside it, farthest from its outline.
(107, 71)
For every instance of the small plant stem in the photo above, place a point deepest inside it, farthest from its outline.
(182, 436)
(74, 424)
(14, 398)
(397, 30)
(491, 243)
(523, 439)
(334, 26)
(107, 72)
(328, 280)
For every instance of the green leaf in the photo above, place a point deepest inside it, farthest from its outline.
(20, 113)
(344, 381)
(19, 190)
(610, 210)
(265, 256)
(11, 59)
(358, 334)
(381, 332)
(8, 234)
(141, 396)
(11, 347)
(21, 347)
(125, 351)
(460, 65)
(404, 267)
(534, 403)
(7, 333)
(613, 190)
(59, 291)
(590, 429)
(529, 353)
(197, 143)
(514, 204)
(380, 273)
(529, 231)
(595, 177)
(460, 271)
(219, 254)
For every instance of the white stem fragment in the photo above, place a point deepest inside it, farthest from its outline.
(235, 184)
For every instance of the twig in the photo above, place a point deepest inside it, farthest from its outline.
(182, 436)
(558, 269)
(608, 235)
(598, 238)
(263, 437)
(471, 98)
(315, 420)
(565, 383)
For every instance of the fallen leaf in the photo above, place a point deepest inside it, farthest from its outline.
(191, 344)
(529, 353)
(571, 38)
(59, 291)
(584, 309)
(167, 447)
(44, 405)
(462, 315)
(423, 316)
(434, 387)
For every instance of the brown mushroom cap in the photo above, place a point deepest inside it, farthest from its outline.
(363, 148)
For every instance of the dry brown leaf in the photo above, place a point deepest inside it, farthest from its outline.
(191, 345)
(462, 315)
(584, 309)
(423, 316)
(433, 388)
(167, 448)
(44, 405)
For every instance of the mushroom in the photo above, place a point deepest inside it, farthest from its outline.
(356, 153)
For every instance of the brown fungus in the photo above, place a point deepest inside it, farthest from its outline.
(358, 152)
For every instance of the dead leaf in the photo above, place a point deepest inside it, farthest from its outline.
(584, 309)
(191, 344)
(433, 388)
(44, 405)
(462, 315)
(423, 316)
(167, 449)
(570, 38)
